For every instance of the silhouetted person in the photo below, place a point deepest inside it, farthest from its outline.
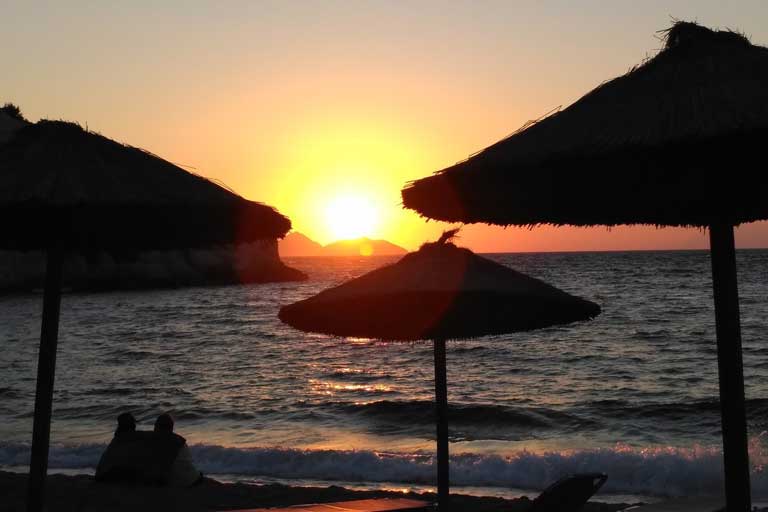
(119, 462)
(182, 472)
(160, 457)
(164, 423)
(125, 423)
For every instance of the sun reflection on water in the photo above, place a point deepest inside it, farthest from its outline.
(332, 388)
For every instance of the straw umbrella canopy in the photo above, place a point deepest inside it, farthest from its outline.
(65, 188)
(439, 292)
(81, 190)
(670, 143)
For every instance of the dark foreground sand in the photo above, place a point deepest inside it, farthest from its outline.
(81, 493)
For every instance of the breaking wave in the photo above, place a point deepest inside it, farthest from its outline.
(661, 471)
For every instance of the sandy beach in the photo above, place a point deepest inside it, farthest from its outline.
(81, 493)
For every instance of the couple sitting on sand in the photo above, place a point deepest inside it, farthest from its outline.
(160, 457)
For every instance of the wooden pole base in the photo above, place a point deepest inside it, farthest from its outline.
(730, 369)
(46, 369)
(441, 409)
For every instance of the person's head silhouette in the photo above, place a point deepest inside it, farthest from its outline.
(164, 423)
(125, 423)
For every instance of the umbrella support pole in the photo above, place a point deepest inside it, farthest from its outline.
(441, 409)
(730, 368)
(46, 367)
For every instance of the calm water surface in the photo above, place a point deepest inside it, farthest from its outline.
(632, 393)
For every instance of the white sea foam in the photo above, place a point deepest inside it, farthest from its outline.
(650, 471)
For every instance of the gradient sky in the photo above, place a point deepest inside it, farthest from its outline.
(311, 105)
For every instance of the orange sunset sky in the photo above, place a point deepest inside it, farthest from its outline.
(326, 109)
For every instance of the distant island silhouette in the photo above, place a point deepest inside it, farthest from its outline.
(298, 244)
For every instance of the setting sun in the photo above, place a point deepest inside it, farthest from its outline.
(350, 217)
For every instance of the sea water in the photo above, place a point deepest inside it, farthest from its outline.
(632, 393)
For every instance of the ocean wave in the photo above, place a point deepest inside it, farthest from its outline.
(695, 410)
(660, 471)
(594, 414)
(619, 419)
(423, 412)
(622, 419)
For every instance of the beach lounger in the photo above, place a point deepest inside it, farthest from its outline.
(375, 505)
(569, 494)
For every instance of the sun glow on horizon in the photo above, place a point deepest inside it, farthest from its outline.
(341, 172)
(351, 216)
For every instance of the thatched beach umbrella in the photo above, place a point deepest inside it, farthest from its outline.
(439, 292)
(63, 188)
(671, 143)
